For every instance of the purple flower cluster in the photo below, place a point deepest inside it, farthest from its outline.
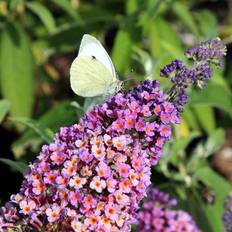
(207, 53)
(156, 215)
(95, 173)
(227, 217)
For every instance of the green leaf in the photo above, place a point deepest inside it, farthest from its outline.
(66, 6)
(178, 147)
(207, 22)
(18, 166)
(221, 188)
(67, 37)
(190, 118)
(163, 60)
(163, 37)
(205, 117)
(151, 11)
(214, 142)
(194, 205)
(77, 106)
(122, 50)
(143, 58)
(14, 5)
(172, 49)
(219, 79)
(17, 70)
(59, 116)
(131, 6)
(44, 133)
(44, 14)
(213, 95)
(186, 17)
(4, 108)
(62, 114)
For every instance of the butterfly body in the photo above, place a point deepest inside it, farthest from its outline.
(92, 72)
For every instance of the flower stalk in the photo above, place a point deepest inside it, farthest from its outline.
(95, 173)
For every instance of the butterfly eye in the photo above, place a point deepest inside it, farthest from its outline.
(93, 57)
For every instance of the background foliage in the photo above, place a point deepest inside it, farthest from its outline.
(38, 41)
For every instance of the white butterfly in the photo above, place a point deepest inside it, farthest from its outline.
(92, 72)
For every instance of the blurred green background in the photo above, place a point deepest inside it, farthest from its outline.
(38, 41)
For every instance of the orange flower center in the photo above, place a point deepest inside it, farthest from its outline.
(136, 163)
(74, 161)
(98, 183)
(109, 142)
(99, 151)
(83, 144)
(126, 184)
(102, 172)
(119, 144)
(164, 117)
(157, 110)
(58, 159)
(111, 211)
(88, 201)
(148, 97)
(164, 130)
(64, 181)
(39, 186)
(106, 220)
(133, 177)
(119, 197)
(97, 142)
(51, 178)
(129, 122)
(70, 169)
(119, 126)
(75, 197)
(77, 181)
(123, 170)
(93, 220)
(53, 214)
(27, 208)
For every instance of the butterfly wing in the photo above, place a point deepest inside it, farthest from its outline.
(89, 77)
(91, 47)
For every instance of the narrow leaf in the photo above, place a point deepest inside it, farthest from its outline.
(131, 6)
(221, 188)
(4, 108)
(18, 166)
(208, 24)
(67, 7)
(163, 37)
(214, 142)
(17, 70)
(122, 51)
(186, 17)
(205, 116)
(58, 116)
(213, 95)
(195, 206)
(44, 14)
(189, 118)
(44, 133)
